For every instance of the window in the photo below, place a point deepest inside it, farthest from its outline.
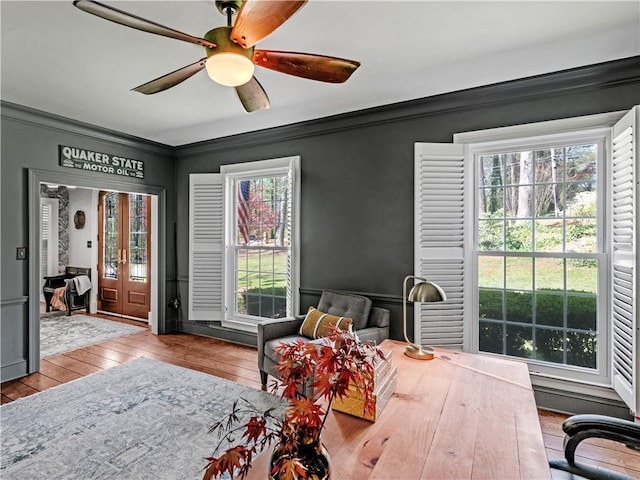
(261, 247)
(244, 240)
(138, 237)
(539, 253)
(261, 242)
(531, 230)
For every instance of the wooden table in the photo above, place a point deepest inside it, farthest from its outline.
(457, 416)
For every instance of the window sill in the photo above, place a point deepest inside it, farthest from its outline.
(241, 324)
(602, 391)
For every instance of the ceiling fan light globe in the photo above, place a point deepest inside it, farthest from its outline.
(229, 69)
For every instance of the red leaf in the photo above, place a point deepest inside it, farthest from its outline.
(303, 412)
(233, 458)
(255, 428)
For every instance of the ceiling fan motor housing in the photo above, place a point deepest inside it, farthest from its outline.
(221, 37)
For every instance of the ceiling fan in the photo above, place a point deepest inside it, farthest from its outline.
(230, 50)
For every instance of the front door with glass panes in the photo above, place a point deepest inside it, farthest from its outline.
(124, 247)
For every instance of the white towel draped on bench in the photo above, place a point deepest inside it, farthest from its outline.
(82, 283)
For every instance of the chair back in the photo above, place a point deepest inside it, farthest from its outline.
(348, 305)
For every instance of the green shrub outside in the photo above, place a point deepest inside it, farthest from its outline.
(576, 231)
(550, 342)
(268, 302)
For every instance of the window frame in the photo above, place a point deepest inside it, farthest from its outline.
(255, 170)
(593, 128)
(599, 137)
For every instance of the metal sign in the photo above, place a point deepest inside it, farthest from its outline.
(91, 161)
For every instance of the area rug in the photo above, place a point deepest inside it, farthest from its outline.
(142, 420)
(59, 334)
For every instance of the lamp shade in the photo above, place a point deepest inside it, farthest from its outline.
(426, 292)
(423, 291)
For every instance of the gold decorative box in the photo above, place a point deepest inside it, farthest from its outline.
(384, 385)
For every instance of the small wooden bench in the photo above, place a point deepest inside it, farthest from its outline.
(73, 300)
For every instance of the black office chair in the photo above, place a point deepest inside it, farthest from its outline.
(580, 427)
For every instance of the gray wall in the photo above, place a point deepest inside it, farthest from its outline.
(79, 253)
(30, 144)
(357, 172)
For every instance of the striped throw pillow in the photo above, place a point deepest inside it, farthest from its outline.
(316, 323)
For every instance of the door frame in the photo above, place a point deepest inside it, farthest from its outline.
(157, 315)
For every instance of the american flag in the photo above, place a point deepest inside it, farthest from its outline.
(243, 209)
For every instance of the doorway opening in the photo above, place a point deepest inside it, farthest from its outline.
(83, 241)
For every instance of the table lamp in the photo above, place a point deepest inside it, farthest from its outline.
(423, 291)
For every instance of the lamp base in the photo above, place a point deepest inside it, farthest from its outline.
(418, 353)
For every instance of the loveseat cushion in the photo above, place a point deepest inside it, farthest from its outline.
(317, 324)
(269, 347)
(348, 305)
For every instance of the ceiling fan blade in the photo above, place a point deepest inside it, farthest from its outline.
(252, 96)
(139, 23)
(257, 19)
(307, 65)
(171, 79)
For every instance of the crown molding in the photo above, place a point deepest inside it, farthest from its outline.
(39, 118)
(565, 82)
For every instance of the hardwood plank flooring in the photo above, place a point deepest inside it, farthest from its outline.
(239, 364)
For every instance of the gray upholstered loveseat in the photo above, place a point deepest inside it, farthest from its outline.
(370, 323)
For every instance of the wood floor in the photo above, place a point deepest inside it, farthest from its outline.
(239, 364)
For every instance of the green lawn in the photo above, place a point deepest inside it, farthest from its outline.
(266, 268)
(549, 274)
(262, 269)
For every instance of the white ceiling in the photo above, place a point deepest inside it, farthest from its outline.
(61, 60)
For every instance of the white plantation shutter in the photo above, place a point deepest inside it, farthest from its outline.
(44, 245)
(48, 237)
(440, 234)
(293, 237)
(44, 234)
(624, 244)
(206, 246)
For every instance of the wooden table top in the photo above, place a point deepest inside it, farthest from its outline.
(458, 416)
